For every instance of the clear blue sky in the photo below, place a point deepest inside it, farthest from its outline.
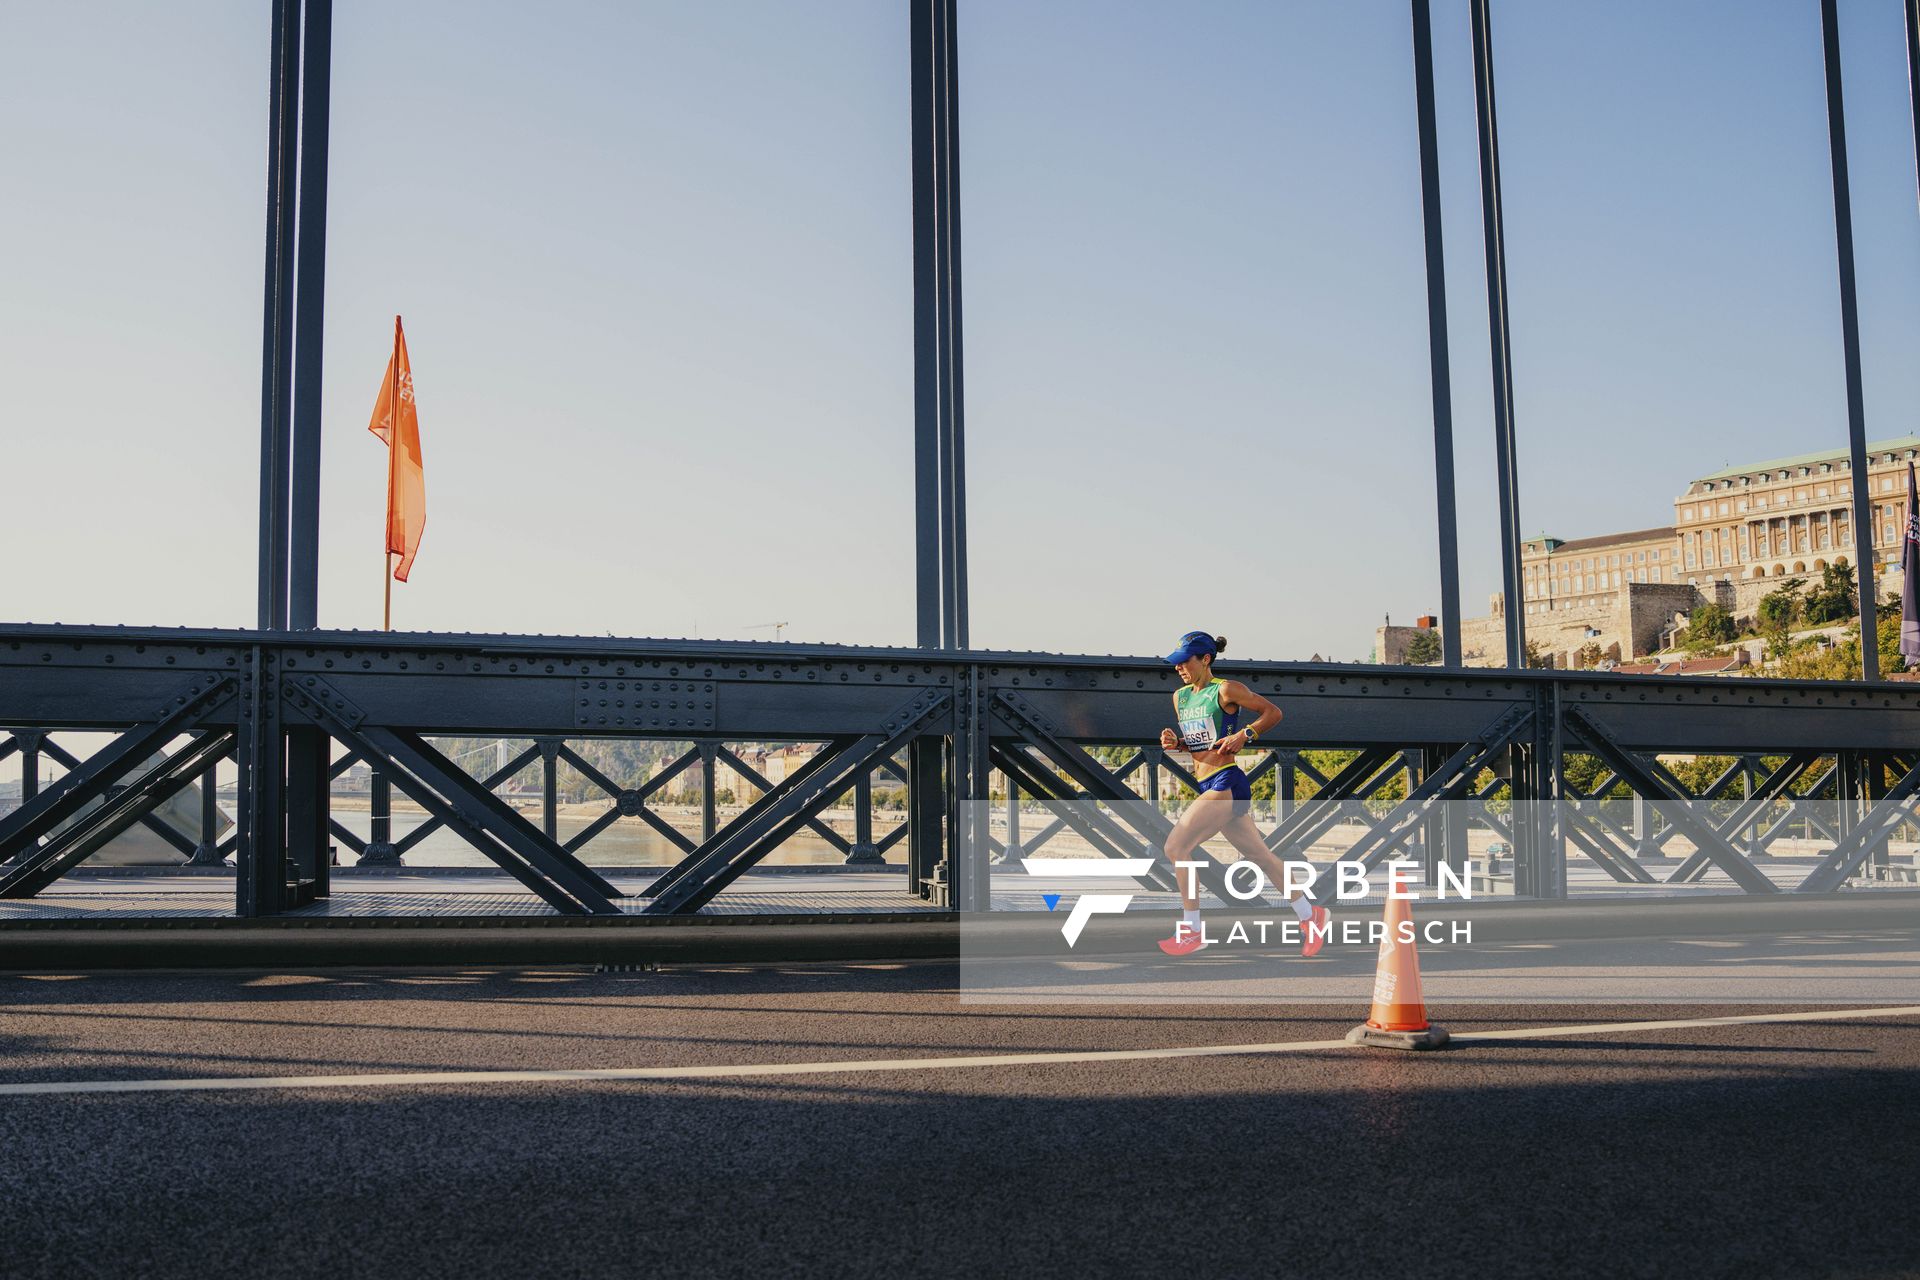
(655, 264)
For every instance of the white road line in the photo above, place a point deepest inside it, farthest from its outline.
(207, 1084)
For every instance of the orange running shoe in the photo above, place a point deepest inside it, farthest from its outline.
(1186, 945)
(1314, 932)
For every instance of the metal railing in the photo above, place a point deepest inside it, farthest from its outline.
(1410, 757)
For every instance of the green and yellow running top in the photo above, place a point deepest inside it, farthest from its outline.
(1203, 721)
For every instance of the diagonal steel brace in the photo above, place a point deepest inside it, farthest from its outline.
(1770, 789)
(1653, 781)
(1879, 822)
(71, 845)
(699, 877)
(1449, 779)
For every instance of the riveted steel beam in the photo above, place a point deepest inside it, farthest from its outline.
(202, 697)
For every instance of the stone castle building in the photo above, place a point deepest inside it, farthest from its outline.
(1791, 516)
(1736, 534)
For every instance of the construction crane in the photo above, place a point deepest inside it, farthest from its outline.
(778, 627)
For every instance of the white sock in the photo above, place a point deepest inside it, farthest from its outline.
(1303, 908)
(1192, 920)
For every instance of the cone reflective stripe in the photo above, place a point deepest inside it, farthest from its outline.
(1398, 1019)
(1397, 1003)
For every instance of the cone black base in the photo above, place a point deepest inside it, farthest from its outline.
(1430, 1038)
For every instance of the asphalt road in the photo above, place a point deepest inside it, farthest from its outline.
(1783, 1149)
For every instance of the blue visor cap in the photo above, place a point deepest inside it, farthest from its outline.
(1194, 644)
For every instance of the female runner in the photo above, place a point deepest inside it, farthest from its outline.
(1208, 710)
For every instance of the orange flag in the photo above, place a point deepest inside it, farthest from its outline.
(406, 474)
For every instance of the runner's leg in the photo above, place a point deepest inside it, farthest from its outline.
(1314, 927)
(1204, 818)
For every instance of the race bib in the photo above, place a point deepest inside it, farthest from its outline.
(1197, 734)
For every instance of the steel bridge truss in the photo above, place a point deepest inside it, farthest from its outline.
(1405, 761)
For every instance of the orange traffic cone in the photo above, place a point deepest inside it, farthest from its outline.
(1399, 1016)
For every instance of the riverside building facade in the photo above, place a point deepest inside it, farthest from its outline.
(1737, 534)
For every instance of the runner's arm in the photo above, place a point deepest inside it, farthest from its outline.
(1241, 698)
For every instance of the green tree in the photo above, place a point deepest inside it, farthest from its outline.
(1423, 650)
(1887, 623)
(1707, 626)
(1537, 657)
(1833, 599)
(1779, 609)
(1813, 660)
(1588, 656)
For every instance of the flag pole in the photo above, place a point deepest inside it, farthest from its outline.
(393, 443)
